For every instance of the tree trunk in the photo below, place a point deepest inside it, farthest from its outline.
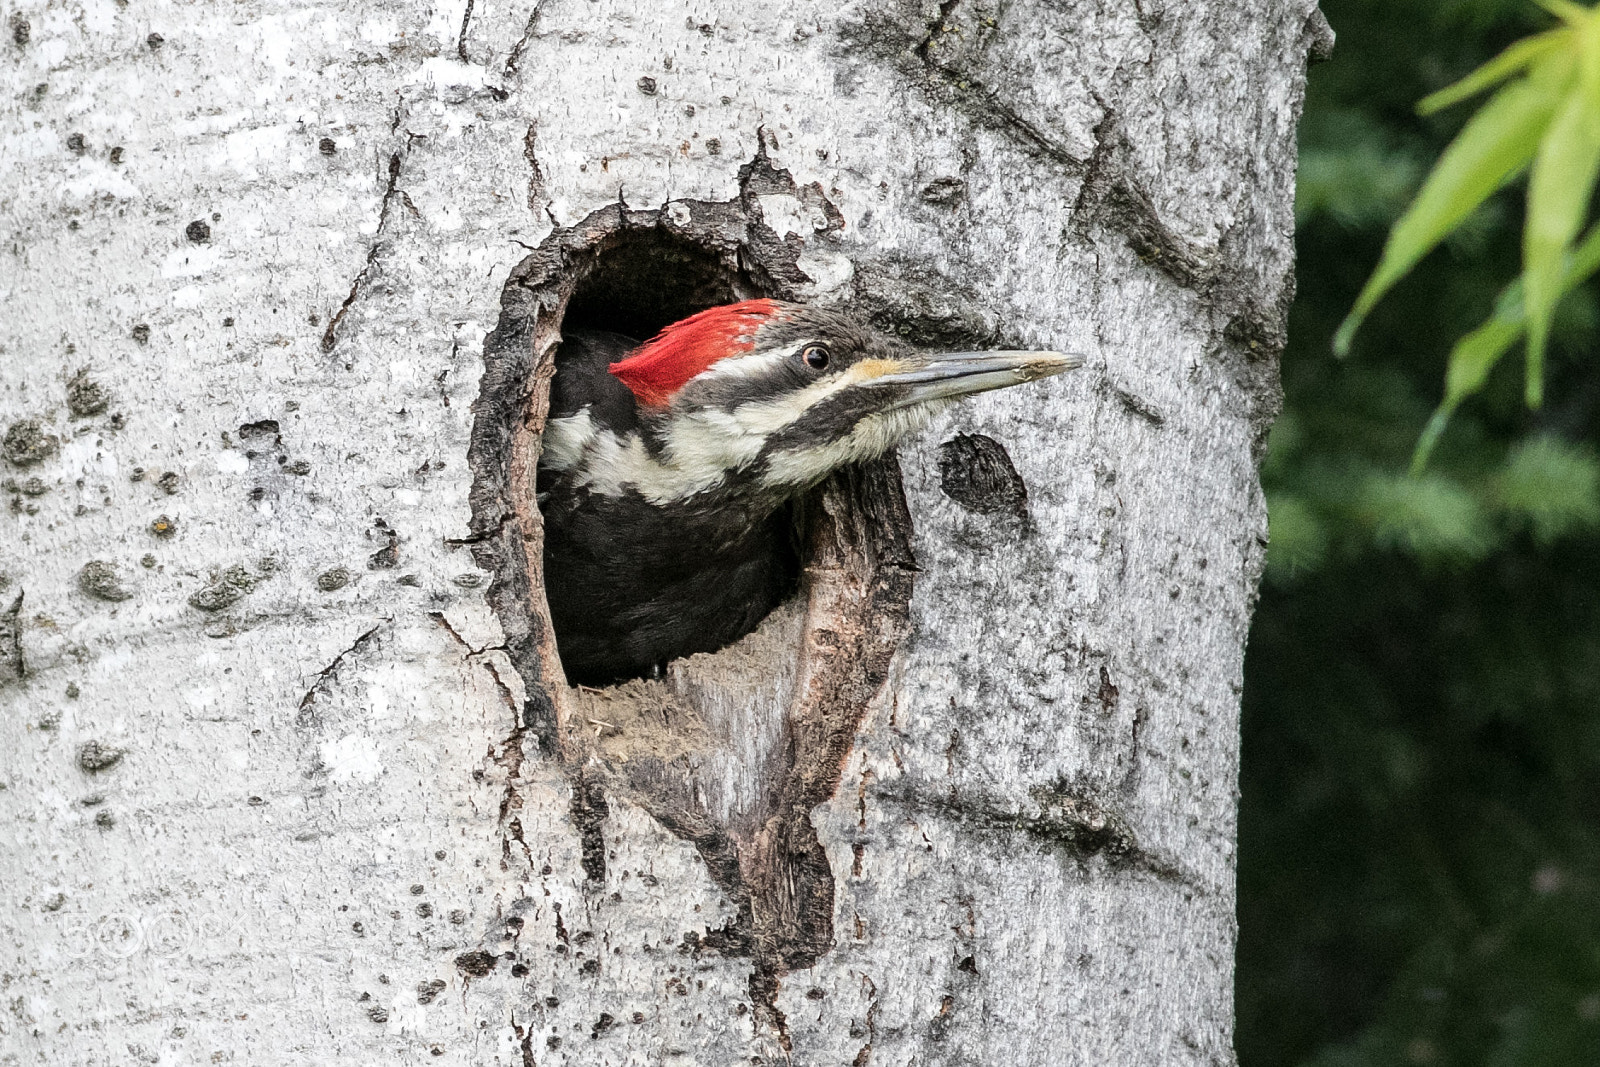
(291, 773)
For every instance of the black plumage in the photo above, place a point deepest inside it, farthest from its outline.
(632, 584)
(672, 473)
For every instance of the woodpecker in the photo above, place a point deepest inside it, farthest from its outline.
(670, 471)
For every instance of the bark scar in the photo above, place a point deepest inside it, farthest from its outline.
(1060, 818)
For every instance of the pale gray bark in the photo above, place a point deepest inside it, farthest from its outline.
(250, 814)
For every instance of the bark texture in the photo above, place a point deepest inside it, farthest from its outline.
(289, 771)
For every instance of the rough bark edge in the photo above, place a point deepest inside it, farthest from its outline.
(859, 575)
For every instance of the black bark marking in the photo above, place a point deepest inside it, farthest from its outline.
(945, 192)
(589, 813)
(976, 472)
(12, 667)
(27, 443)
(1059, 817)
(94, 756)
(85, 396)
(388, 557)
(461, 38)
(1141, 407)
(474, 964)
(514, 60)
(252, 433)
(1108, 694)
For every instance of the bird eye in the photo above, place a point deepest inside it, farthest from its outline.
(816, 356)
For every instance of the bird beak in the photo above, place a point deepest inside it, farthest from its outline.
(941, 375)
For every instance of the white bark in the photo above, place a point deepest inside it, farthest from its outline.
(326, 808)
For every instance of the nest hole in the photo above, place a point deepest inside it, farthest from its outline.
(639, 282)
(728, 750)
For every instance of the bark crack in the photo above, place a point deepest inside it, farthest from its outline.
(864, 1056)
(1061, 818)
(511, 752)
(514, 60)
(461, 38)
(525, 1034)
(937, 59)
(479, 537)
(391, 193)
(972, 95)
(536, 202)
(444, 621)
(329, 674)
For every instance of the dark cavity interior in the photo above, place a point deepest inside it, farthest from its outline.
(648, 280)
(624, 577)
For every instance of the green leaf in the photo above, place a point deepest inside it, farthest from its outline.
(1490, 150)
(1565, 10)
(1476, 354)
(1585, 260)
(1497, 70)
(1471, 360)
(1588, 38)
(1559, 189)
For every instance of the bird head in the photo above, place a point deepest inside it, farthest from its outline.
(769, 397)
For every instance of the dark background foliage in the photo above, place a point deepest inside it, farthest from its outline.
(1419, 867)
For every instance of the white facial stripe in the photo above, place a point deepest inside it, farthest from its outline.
(750, 365)
(872, 437)
(766, 417)
(702, 447)
(565, 439)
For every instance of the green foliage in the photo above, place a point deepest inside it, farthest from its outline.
(1363, 182)
(1339, 510)
(1476, 354)
(1494, 147)
(1545, 113)
(1420, 832)
(1553, 487)
(1419, 865)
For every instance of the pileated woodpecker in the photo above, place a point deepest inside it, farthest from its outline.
(670, 469)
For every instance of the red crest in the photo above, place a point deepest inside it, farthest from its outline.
(658, 368)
